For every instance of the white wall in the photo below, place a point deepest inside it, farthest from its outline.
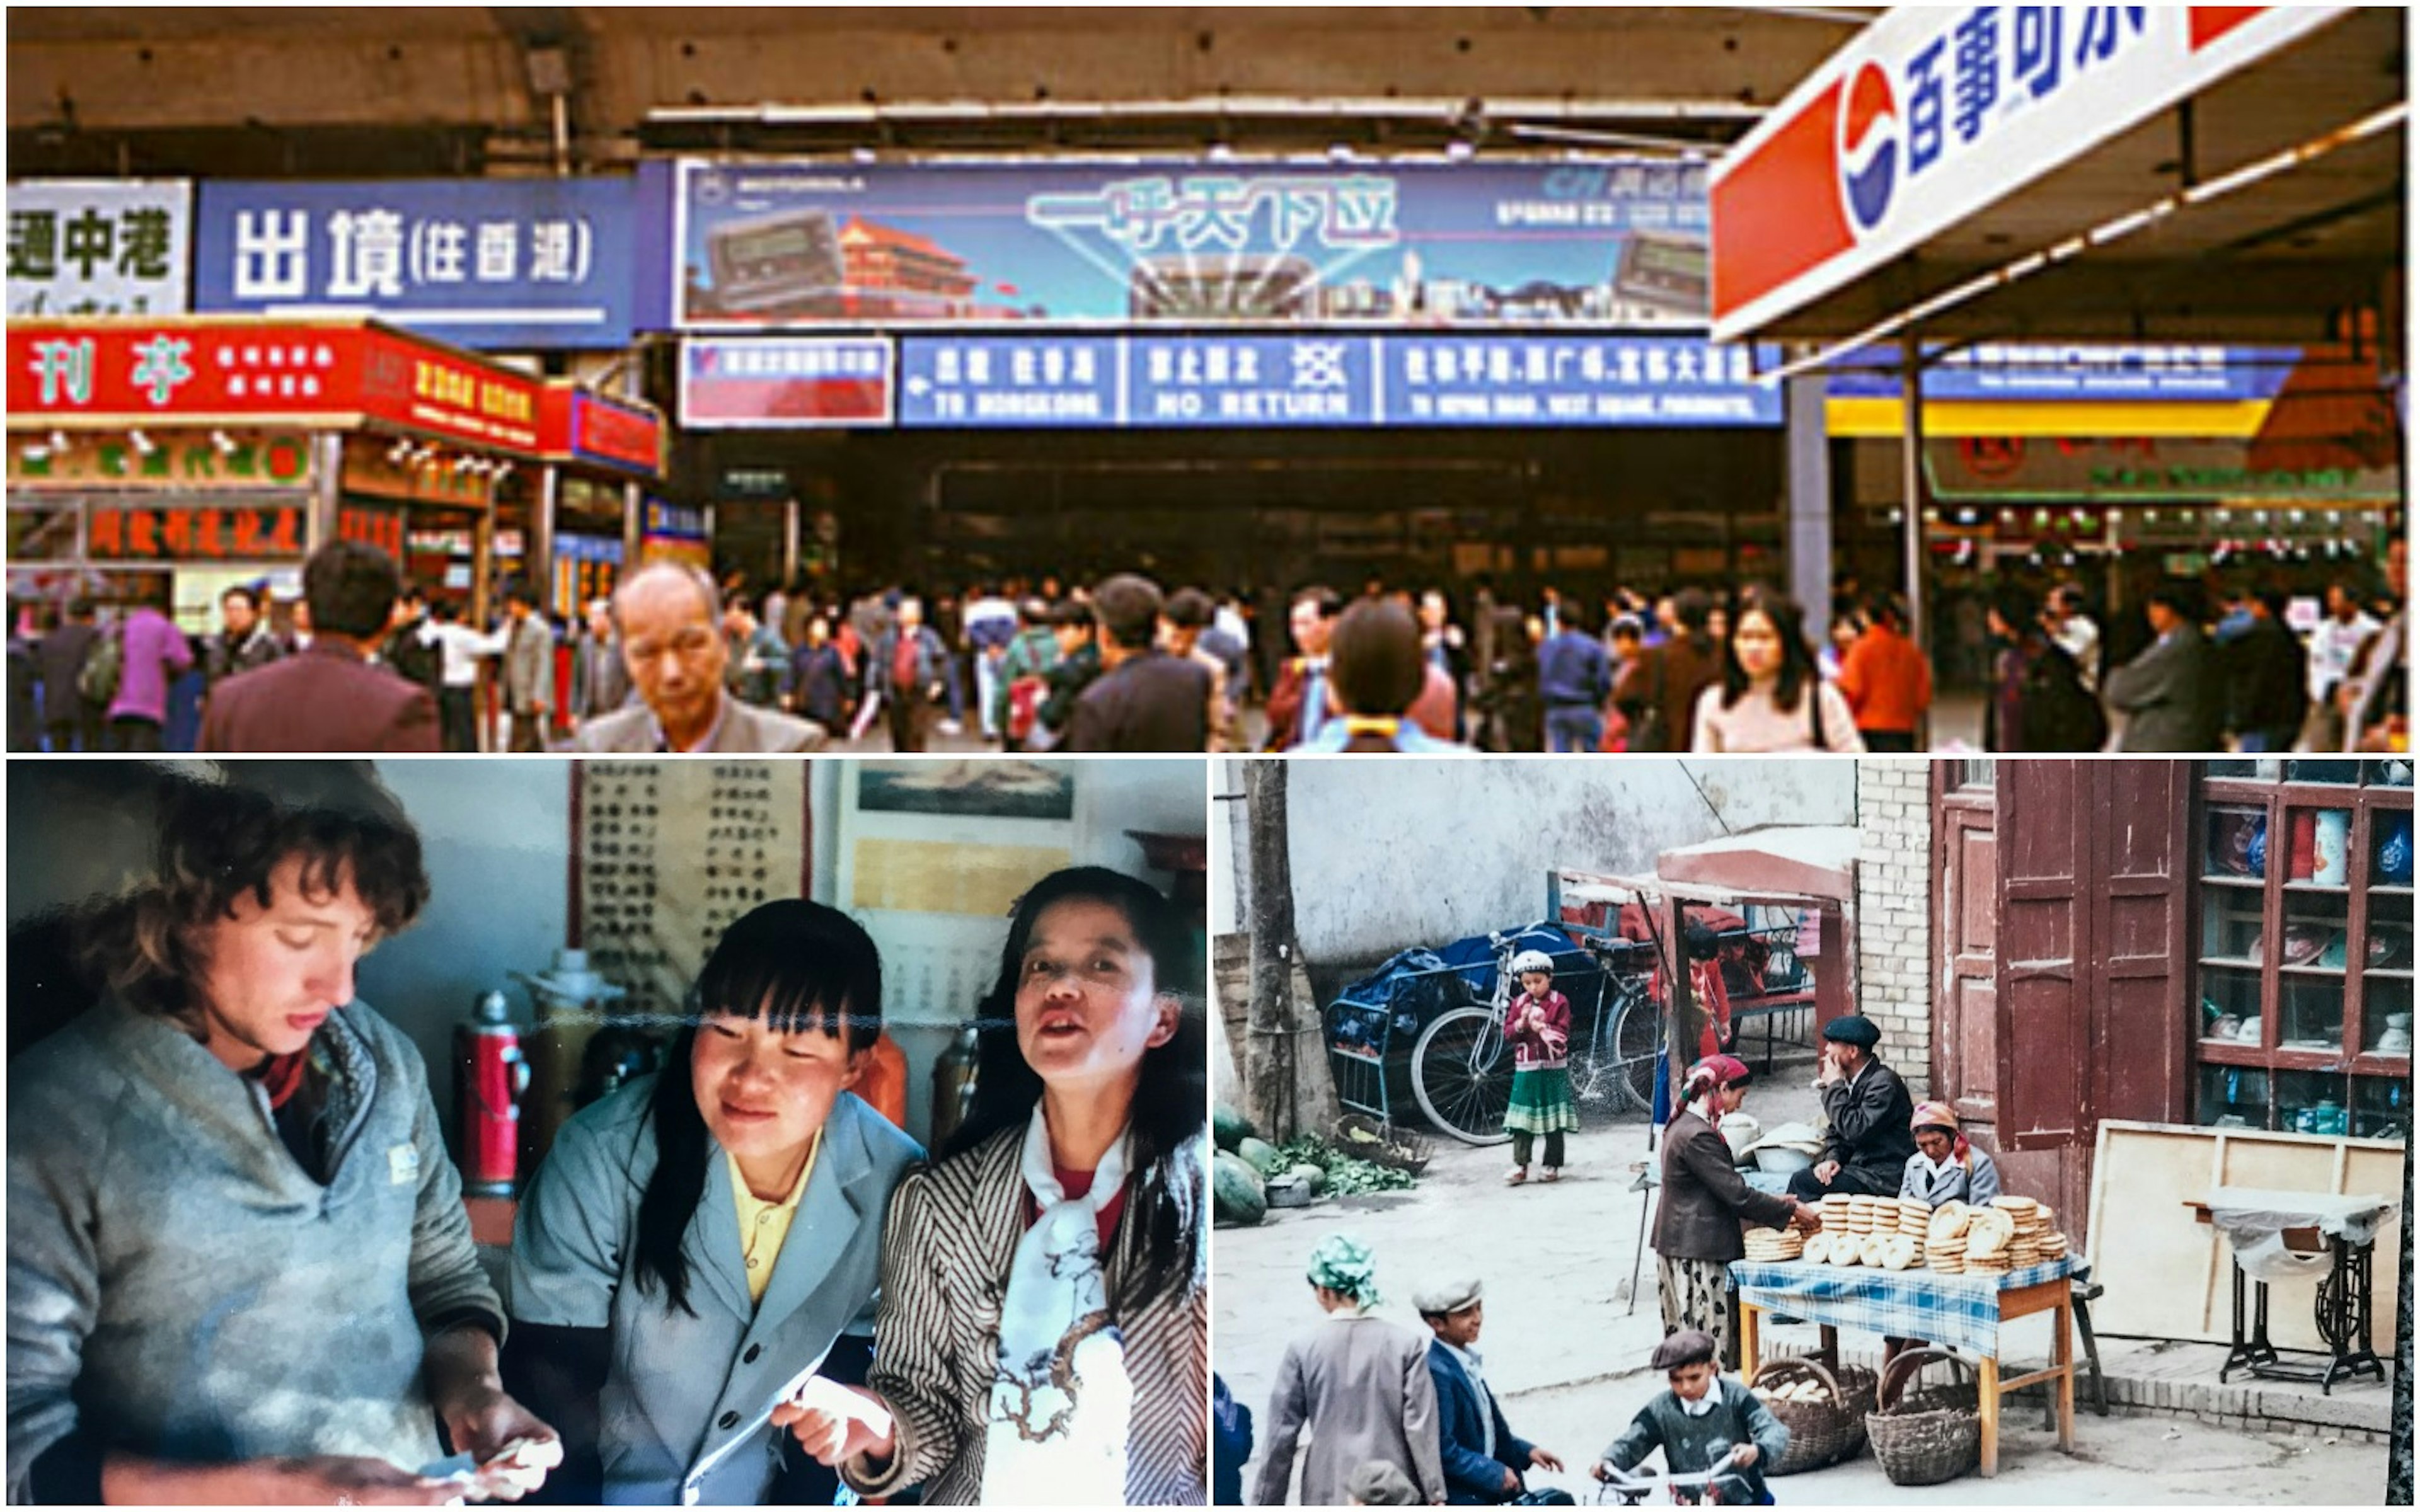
(1406, 852)
(495, 837)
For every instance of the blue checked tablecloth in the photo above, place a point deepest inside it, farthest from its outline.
(1964, 1310)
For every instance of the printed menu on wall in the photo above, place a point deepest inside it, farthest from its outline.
(671, 854)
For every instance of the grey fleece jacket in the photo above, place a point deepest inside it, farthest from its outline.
(179, 1288)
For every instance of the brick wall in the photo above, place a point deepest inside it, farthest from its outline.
(1895, 912)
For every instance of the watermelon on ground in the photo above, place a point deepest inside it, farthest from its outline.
(1229, 1128)
(1262, 1155)
(1235, 1191)
(1311, 1176)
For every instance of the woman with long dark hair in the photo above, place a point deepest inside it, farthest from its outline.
(706, 1237)
(1772, 697)
(1043, 1337)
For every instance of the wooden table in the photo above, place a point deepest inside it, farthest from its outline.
(2055, 1296)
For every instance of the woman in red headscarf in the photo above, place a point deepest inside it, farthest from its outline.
(1705, 1202)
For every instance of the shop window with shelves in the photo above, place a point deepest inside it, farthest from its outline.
(2235, 1097)
(2311, 1102)
(2302, 947)
(2381, 1107)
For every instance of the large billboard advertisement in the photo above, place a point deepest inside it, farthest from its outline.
(1603, 243)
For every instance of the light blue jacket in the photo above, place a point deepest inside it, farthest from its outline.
(682, 1419)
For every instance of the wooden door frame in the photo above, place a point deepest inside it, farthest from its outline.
(1950, 799)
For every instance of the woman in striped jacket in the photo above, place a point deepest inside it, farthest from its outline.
(1044, 1329)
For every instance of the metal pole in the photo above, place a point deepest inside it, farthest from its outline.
(537, 552)
(1910, 368)
(1808, 498)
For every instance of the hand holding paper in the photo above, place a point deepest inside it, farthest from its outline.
(832, 1422)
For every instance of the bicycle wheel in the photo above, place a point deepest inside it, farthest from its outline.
(1637, 1043)
(1461, 1075)
(1593, 1064)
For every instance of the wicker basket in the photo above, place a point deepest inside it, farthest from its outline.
(1820, 1433)
(1925, 1435)
(1389, 1146)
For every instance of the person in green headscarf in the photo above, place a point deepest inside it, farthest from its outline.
(1359, 1383)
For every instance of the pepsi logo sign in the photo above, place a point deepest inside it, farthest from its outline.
(1869, 149)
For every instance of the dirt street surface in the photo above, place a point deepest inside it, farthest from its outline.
(1567, 1351)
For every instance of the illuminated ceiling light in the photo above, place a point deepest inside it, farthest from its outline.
(35, 452)
(224, 443)
(59, 441)
(143, 443)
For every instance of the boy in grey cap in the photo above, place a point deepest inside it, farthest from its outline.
(1484, 1458)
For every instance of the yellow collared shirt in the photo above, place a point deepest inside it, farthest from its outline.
(764, 1227)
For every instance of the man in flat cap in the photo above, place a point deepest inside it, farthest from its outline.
(1484, 1458)
(1868, 1111)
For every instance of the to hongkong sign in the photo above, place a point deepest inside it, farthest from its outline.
(1935, 112)
(131, 372)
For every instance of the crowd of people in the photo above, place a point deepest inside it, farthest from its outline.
(1393, 1416)
(677, 660)
(732, 1281)
(1692, 672)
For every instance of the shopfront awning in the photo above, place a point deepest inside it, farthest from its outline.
(2208, 173)
(1775, 863)
(125, 372)
(1811, 861)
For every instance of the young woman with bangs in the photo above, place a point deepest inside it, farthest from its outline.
(704, 1239)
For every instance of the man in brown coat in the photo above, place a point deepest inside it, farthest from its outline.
(329, 696)
(1659, 692)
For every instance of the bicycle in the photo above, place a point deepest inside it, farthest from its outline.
(1703, 1488)
(1461, 1064)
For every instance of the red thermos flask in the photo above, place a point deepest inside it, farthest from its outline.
(490, 1077)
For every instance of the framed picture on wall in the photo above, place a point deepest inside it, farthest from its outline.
(932, 855)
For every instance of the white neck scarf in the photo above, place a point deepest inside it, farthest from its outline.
(1055, 1431)
(1702, 1405)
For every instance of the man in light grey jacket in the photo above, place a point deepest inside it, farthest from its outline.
(239, 1270)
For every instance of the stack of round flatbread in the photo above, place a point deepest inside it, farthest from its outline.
(1989, 1235)
(1774, 1246)
(1945, 1237)
(2030, 1230)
